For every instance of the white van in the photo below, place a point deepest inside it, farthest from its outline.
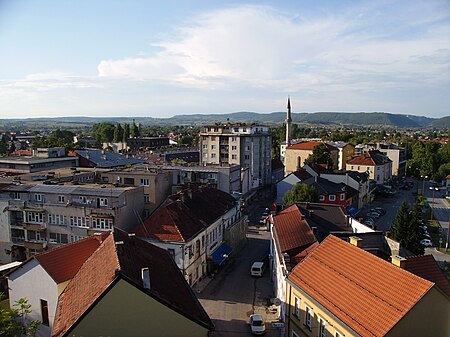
(257, 269)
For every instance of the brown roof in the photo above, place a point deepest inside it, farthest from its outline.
(370, 158)
(304, 146)
(291, 230)
(277, 164)
(365, 292)
(63, 263)
(185, 214)
(122, 257)
(426, 267)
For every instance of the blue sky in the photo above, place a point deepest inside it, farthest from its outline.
(163, 58)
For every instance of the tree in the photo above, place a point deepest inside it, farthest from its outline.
(13, 322)
(300, 193)
(118, 133)
(126, 132)
(103, 132)
(134, 132)
(3, 146)
(12, 148)
(406, 228)
(320, 155)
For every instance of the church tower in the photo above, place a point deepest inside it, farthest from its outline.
(288, 123)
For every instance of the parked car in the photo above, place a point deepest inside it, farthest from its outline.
(373, 215)
(426, 242)
(257, 325)
(381, 210)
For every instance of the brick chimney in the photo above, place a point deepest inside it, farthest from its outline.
(145, 274)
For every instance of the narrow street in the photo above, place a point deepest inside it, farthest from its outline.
(233, 295)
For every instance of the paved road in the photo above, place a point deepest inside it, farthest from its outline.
(233, 295)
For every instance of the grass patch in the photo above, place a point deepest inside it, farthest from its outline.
(442, 250)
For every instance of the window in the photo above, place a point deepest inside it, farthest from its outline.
(79, 221)
(213, 147)
(83, 199)
(103, 201)
(297, 307)
(74, 238)
(59, 238)
(102, 223)
(61, 199)
(146, 198)
(213, 155)
(205, 146)
(247, 148)
(247, 156)
(16, 195)
(145, 182)
(44, 312)
(234, 147)
(342, 196)
(56, 219)
(321, 198)
(36, 217)
(38, 197)
(35, 236)
(308, 317)
(332, 197)
(322, 328)
(234, 156)
(233, 139)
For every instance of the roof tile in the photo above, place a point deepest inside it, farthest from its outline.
(368, 294)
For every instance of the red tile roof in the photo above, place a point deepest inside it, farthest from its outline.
(426, 267)
(182, 216)
(122, 256)
(63, 263)
(304, 146)
(365, 292)
(291, 231)
(370, 158)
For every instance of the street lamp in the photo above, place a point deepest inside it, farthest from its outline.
(423, 185)
(432, 203)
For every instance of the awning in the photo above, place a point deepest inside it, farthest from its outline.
(353, 211)
(221, 254)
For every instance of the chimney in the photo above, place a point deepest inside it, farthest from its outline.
(311, 213)
(314, 230)
(347, 220)
(307, 205)
(303, 217)
(398, 261)
(356, 241)
(145, 274)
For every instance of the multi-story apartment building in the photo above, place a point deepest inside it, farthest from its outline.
(224, 178)
(247, 145)
(156, 183)
(45, 216)
(375, 163)
(346, 152)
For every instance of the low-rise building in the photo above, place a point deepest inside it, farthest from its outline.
(376, 164)
(288, 183)
(296, 154)
(104, 159)
(200, 227)
(342, 290)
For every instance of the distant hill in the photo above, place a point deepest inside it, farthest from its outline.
(368, 119)
(441, 123)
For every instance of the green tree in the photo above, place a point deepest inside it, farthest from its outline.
(187, 140)
(3, 146)
(134, 132)
(13, 322)
(118, 133)
(320, 155)
(12, 148)
(103, 132)
(126, 132)
(406, 230)
(300, 193)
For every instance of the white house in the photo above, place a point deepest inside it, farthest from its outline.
(43, 277)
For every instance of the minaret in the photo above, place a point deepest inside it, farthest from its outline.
(288, 123)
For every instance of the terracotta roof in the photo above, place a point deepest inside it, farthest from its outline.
(184, 215)
(370, 158)
(122, 256)
(365, 292)
(304, 146)
(63, 263)
(292, 232)
(426, 267)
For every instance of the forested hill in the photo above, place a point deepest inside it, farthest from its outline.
(368, 119)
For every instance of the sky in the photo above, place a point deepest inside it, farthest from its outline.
(110, 58)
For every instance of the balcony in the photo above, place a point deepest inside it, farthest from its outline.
(35, 226)
(16, 205)
(35, 244)
(18, 240)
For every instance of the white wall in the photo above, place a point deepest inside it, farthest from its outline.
(5, 234)
(32, 282)
(285, 185)
(359, 227)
